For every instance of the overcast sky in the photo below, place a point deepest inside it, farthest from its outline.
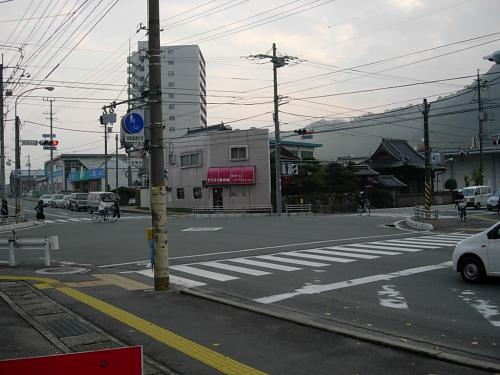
(87, 64)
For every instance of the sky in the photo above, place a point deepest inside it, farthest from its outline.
(350, 55)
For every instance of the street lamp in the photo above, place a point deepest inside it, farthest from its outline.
(18, 148)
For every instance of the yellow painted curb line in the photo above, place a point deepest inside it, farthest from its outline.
(199, 352)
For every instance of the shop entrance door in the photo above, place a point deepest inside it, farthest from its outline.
(217, 198)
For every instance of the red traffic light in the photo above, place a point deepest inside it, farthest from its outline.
(54, 143)
(48, 142)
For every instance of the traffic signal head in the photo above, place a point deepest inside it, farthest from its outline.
(48, 142)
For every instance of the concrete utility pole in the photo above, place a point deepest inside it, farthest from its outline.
(2, 135)
(278, 62)
(427, 156)
(481, 118)
(52, 190)
(157, 177)
(116, 164)
(29, 173)
(105, 157)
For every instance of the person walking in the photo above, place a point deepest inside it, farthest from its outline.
(4, 211)
(39, 211)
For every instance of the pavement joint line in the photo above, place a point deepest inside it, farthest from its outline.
(395, 343)
(122, 282)
(192, 349)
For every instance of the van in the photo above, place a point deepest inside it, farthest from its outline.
(477, 196)
(94, 199)
(78, 201)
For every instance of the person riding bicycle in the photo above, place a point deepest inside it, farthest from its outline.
(362, 200)
(103, 207)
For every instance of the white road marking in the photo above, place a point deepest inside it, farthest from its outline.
(385, 247)
(364, 251)
(62, 221)
(402, 243)
(316, 289)
(488, 310)
(264, 264)
(187, 283)
(390, 297)
(212, 229)
(203, 273)
(228, 267)
(301, 254)
(49, 221)
(341, 253)
(292, 261)
(431, 240)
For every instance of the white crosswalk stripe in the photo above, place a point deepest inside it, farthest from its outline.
(314, 257)
(87, 219)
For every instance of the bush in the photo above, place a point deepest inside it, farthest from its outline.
(450, 184)
(381, 198)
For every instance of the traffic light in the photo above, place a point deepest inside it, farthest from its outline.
(303, 131)
(48, 142)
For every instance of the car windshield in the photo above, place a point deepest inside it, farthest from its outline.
(46, 197)
(468, 192)
(58, 196)
(497, 193)
(81, 196)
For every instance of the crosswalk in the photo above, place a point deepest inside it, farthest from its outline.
(87, 219)
(289, 261)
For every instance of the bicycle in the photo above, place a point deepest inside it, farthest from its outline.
(363, 209)
(462, 211)
(104, 215)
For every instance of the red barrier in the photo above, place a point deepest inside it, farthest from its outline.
(123, 361)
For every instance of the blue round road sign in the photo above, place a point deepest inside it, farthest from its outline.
(133, 123)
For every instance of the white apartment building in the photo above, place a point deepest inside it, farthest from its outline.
(183, 80)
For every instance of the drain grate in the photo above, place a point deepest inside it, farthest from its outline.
(63, 327)
(61, 270)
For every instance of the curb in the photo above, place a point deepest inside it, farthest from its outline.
(418, 225)
(9, 227)
(390, 341)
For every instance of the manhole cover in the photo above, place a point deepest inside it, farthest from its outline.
(61, 270)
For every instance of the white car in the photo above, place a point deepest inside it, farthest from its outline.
(46, 199)
(478, 256)
(57, 200)
(492, 202)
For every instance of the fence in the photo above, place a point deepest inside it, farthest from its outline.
(420, 214)
(217, 210)
(14, 243)
(298, 208)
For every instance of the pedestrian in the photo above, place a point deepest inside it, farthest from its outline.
(39, 211)
(116, 208)
(4, 211)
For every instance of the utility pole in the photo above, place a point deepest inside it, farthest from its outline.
(157, 176)
(52, 190)
(105, 157)
(427, 156)
(481, 118)
(17, 153)
(29, 174)
(116, 164)
(278, 62)
(2, 135)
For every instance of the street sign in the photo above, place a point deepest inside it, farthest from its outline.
(134, 138)
(49, 147)
(133, 123)
(29, 142)
(48, 136)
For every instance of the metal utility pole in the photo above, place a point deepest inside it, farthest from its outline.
(116, 164)
(157, 176)
(481, 118)
(2, 135)
(105, 157)
(278, 62)
(427, 156)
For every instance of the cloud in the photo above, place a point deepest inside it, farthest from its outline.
(408, 5)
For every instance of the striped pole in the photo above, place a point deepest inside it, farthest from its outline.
(427, 197)
(427, 156)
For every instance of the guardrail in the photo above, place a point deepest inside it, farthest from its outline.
(14, 243)
(233, 210)
(420, 214)
(298, 208)
(12, 219)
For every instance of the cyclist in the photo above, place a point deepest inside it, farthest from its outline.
(103, 208)
(460, 203)
(362, 202)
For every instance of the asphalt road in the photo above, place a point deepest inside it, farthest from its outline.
(347, 271)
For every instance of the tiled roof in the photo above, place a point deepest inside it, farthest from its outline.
(388, 180)
(393, 153)
(365, 171)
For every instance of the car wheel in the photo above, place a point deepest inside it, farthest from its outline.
(477, 206)
(472, 269)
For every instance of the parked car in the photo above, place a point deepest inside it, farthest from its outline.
(95, 197)
(57, 200)
(65, 204)
(492, 202)
(478, 256)
(78, 201)
(46, 199)
(476, 196)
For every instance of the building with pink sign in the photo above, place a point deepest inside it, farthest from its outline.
(219, 167)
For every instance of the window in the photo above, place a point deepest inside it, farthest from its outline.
(170, 62)
(238, 153)
(197, 192)
(171, 129)
(180, 193)
(171, 158)
(171, 118)
(306, 154)
(171, 84)
(170, 73)
(171, 96)
(191, 160)
(171, 106)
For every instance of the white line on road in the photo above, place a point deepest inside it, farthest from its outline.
(203, 273)
(341, 253)
(378, 252)
(386, 247)
(390, 297)
(488, 310)
(263, 264)
(402, 243)
(244, 270)
(292, 261)
(176, 280)
(316, 289)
